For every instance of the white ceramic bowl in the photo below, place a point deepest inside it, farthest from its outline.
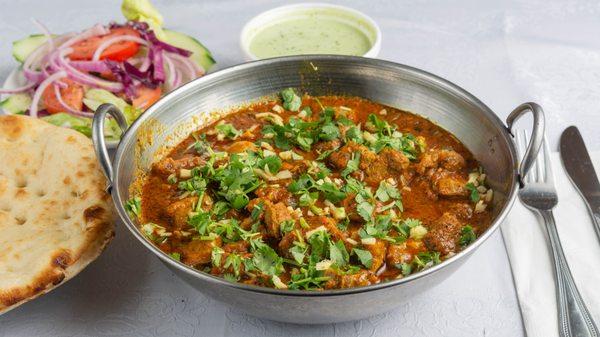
(358, 19)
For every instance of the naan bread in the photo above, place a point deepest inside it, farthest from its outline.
(55, 217)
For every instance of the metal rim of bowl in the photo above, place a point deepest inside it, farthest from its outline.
(430, 78)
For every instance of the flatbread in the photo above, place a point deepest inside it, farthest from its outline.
(55, 217)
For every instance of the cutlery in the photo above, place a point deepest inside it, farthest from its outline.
(539, 195)
(580, 170)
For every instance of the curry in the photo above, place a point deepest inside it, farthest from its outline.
(315, 193)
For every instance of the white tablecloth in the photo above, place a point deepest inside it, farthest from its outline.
(504, 53)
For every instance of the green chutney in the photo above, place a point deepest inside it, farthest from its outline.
(310, 34)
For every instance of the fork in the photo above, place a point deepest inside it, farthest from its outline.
(539, 195)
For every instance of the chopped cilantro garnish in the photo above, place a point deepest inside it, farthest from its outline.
(338, 253)
(175, 256)
(266, 259)
(271, 164)
(134, 206)
(467, 236)
(474, 192)
(386, 192)
(291, 101)
(228, 130)
(364, 256)
(352, 164)
(426, 259)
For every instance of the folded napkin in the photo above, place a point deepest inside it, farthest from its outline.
(529, 253)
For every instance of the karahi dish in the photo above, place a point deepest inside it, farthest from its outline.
(315, 189)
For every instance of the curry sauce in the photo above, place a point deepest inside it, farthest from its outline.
(315, 193)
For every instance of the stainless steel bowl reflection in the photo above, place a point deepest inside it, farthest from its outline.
(169, 120)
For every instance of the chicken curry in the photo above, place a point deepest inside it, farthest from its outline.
(314, 193)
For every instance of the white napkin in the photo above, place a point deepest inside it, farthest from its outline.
(528, 250)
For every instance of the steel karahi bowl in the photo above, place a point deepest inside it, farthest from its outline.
(172, 118)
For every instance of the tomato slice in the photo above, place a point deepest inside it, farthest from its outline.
(120, 51)
(146, 97)
(72, 95)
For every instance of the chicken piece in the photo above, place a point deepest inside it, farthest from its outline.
(321, 147)
(349, 203)
(397, 254)
(378, 251)
(198, 251)
(236, 247)
(274, 194)
(361, 278)
(443, 234)
(388, 163)
(296, 167)
(331, 225)
(170, 166)
(275, 214)
(449, 184)
(179, 210)
(446, 159)
(241, 146)
(396, 161)
(287, 242)
(462, 211)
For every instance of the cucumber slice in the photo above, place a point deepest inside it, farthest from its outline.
(201, 55)
(16, 104)
(22, 48)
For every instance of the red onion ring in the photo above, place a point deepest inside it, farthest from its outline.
(83, 77)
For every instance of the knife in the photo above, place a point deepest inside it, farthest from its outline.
(580, 170)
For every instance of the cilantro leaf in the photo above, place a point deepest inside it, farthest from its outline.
(352, 164)
(291, 101)
(267, 260)
(271, 164)
(386, 192)
(338, 253)
(467, 236)
(228, 130)
(474, 192)
(364, 256)
(134, 206)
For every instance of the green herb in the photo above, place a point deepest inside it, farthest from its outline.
(474, 192)
(405, 268)
(352, 164)
(175, 256)
(172, 178)
(364, 256)
(228, 130)
(307, 111)
(257, 211)
(286, 226)
(298, 252)
(266, 259)
(216, 255)
(271, 164)
(134, 206)
(467, 236)
(291, 101)
(426, 259)
(338, 253)
(386, 192)
(234, 261)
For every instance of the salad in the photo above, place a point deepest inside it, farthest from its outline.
(130, 65)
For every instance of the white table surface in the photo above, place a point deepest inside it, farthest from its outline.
(504, 53)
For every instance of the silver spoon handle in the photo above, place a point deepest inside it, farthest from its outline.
(574, 318)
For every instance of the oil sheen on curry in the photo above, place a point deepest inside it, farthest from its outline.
(314, 193)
